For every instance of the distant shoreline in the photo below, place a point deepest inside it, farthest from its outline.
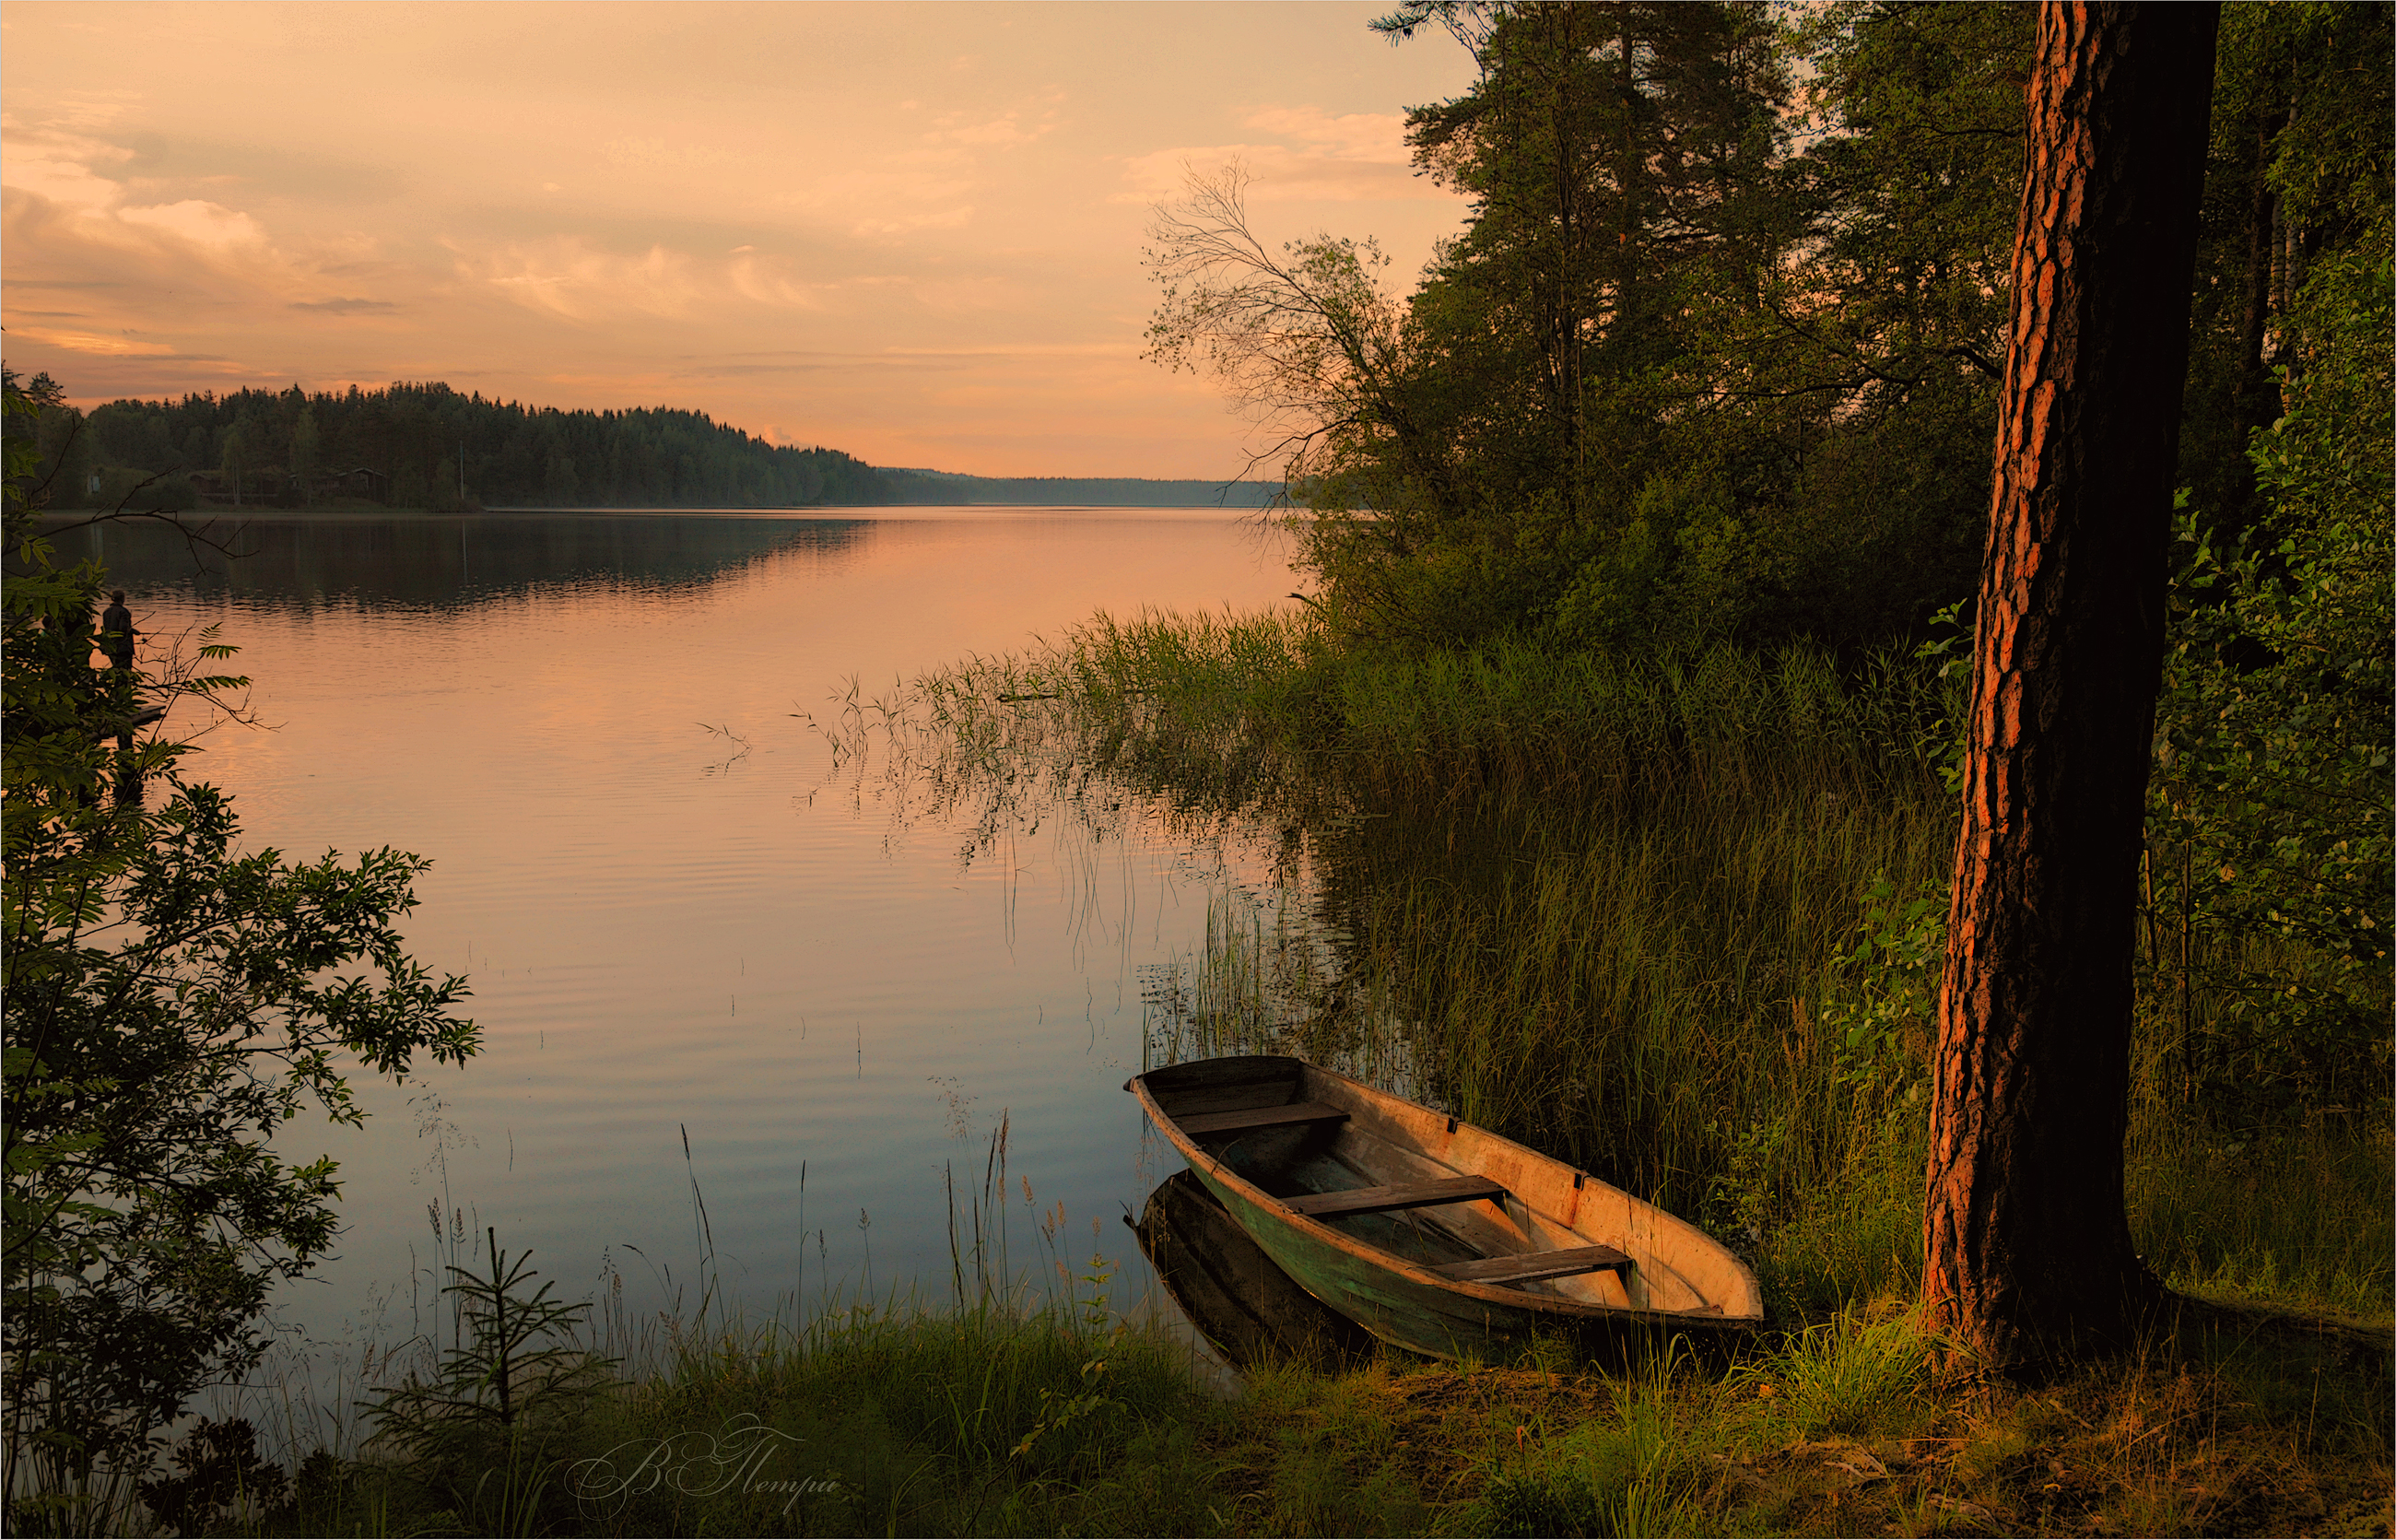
(271, 515)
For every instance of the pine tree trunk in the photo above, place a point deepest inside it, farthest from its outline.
(2027, 1241)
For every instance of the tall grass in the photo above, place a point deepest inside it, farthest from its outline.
(1585, 902)
(1026, 1401)
(1610, 906)
(850, 1417)
(2298, 1215)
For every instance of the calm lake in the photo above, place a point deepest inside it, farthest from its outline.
(679, 924)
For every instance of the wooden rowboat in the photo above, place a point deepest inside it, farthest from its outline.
(1430, 1233)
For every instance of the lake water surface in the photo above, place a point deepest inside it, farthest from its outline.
(678, 924)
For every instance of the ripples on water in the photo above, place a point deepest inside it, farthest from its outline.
(597, 728)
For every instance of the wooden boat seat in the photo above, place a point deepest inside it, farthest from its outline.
(1527, 1267)
(1289, 1113)
(1385, 1200)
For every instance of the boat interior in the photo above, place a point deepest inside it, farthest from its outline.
(1404, 1179)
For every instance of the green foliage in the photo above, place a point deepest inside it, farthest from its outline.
(1717, 355)
(1915, 159)
(66, 457)
(2297, 1214)
(412, 434)
(1618, 158)
(1845, 1375)
(1305, 342)
(1673, 384)
(2297, 176)
(1884, 1011)
(149, 1215)
(1684, 572)
(1680, 920)
(1058, 1413)
(285, 449)
(1574, 895)
(1626, 1471)
(2270, 825)
(499, 1403)
(170, 1006)
(496, 1377)
(853, 1420)
(217, 1468)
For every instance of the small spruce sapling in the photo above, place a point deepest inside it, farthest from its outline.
(496, 1380)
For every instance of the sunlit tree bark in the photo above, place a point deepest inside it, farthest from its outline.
(2028, 1243)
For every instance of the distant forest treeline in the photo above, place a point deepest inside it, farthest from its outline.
(946, 487)
(426, 446)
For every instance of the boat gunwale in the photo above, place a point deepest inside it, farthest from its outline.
(1710, 1317)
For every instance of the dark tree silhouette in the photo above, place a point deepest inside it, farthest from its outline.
(2028, 1243)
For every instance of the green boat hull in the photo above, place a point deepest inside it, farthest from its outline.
(1426, 1319)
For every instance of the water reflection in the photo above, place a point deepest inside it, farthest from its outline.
(441, 561)
(1246, 1307)
(602, 731)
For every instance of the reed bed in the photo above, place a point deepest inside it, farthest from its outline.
(1677, 920)
(1595, 904)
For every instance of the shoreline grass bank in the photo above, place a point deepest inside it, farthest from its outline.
(2223, 1421)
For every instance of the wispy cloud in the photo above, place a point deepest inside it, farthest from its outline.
(637, 150)
(60, 164)
(1379, 137)
(567, 277)
(1007, 131)
(956, 217)
(99, 343)
(203, 223)
(1316, 156)
(345, 306)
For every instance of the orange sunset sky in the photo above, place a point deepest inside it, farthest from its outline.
(909, 232)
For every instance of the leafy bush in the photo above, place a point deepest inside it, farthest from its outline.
(2270, 821)
(170, 1006)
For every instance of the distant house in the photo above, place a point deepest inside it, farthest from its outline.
(373, 485)
(216, 489)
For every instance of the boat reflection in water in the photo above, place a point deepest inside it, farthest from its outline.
(1248, 1309)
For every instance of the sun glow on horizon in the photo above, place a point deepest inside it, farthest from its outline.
(912, 233)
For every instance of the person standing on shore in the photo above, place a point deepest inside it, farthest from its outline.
(116, 632)
(115, 640)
